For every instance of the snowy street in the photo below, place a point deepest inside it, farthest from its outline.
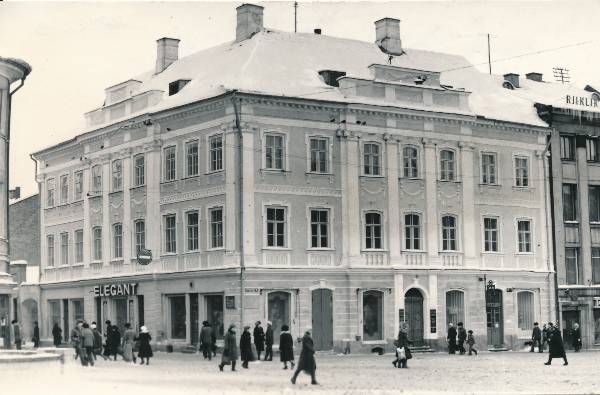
(505, 372)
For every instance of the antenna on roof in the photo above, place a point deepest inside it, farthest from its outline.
(295, 16)
(489, 55)
(561, 74)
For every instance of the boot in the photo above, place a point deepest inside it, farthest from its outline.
(475, 351)
(221, 367)
(285, 365)
(233, 366)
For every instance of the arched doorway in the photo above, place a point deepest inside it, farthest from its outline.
(413, 304)
(322, 318)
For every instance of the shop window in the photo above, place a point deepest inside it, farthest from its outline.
(214, 314)
(279, 311)
(78, 312)
(178, 317)
(596, 326)
(54, 315)
(372, 315)
(455, 307)
(525, 310)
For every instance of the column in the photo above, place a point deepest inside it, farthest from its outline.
(127, 225)
(4, 117)
(468, 205)
(106, 231)
(431, 222)
(231, 234)
(585, 255)
(352, 194)
(85, 188)
(153, 177)
(248, 194)
(393, 199)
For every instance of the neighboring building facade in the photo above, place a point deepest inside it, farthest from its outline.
(364, 195)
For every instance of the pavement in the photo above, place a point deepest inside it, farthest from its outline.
(488, 373)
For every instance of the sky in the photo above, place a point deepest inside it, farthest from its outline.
(77, 49)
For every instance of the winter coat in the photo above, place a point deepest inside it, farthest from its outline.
(36, 333)
(17, 332)
(269, 336)
(109, 346)
(402, 340)
(230, 349)
(577, 338)
(145, 350)
(462, 334)
(536, 334)
(206, 335)
(57, 335)
(451, 334)
(97, 341)
(259, 338)
(75, 337)
(286, 347)
(470, 340)
(307, 355)
(114, 341)
(545, 333)
(246, 346)
(87, 337)
(557, 349)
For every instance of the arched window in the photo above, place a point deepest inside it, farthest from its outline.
(449, 233)
(410, 156)
(373, 231)
(412, 237)
(447, 165)
(525, 310)
(455, 307)
(372, 302)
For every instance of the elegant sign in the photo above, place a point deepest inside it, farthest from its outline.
(126, 289)
(582, 101)
(144, 256)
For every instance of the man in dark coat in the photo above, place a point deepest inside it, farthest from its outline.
(286, 346)
(576, 337)
(557, 349)
(451, 339)
(230, 350)
(306, 362)
(36, 335)
(462, 337)
(56, 334)
(269, 342)
(17, 334)
(115, 341)
(213, 340)
(206, 340)
(259, 338)
(536, 337)
(108, 344)
(246, 347)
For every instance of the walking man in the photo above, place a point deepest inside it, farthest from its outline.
(87, 344)
(536, 337)
(307, 362)
(576, 337)
(36, 335)
(269, 342)
(557, 349)
(206, 340)
(17, 334)
(451, 338)
(76, 341)
(230, 350)
(462, 337)
(259, 339)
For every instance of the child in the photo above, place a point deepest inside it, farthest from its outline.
(400, 361)
(471, 342)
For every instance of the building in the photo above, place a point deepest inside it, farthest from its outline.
(307, 180)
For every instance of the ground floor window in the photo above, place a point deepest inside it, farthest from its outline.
(78, 314)
(525, 310)
(214, 313)
(455, 307)
(597, 326)
(278, 305)
(372, 315)
(53, 314)
(178, 317)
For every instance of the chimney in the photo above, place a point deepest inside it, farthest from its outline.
(387, 36)
(512, 78)
(249, 21)
(317, 31)
(167, 52)
(533, 76)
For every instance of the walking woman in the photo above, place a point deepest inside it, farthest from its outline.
(576, 337)
(402, 343)
(108, 342)
(306, 362)
(259, 338)
(230, 350)
(87, 345)
(145, 350)
(36, 335)
(246, 347)
(56, 334)
(128, 342)
(115, 341)
(286, 346)
(557, 349)
(97, 340)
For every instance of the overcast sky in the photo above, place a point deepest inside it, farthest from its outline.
(78, 49)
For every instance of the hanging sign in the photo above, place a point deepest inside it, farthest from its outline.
(144, 256)
(597, 302)
(126, 289)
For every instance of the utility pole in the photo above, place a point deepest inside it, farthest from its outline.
(295, 17)
(489, 54)
(561, 74)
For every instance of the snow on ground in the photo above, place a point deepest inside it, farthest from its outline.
(505, 372)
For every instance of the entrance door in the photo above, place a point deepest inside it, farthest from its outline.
(322, 319)
(495, 319)
(214, 313)
(278, 305)
(120, 314)
(413, 304)
(569, 317)
(66, 329)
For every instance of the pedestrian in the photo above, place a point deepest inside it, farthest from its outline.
(246, 347)
(107, 342)
(269, 342)
(128, 343)
(259, 339)
(145, 350)
(576, 337)
(403, 353)
(451, 338)
(471, 342)
(536, 337)
(16, 328)
(36, 335)
(206, 340)
(56, 335)
(87, 344)
(97, 350)
(544, 336)
(306, 362)
(557, 349)
(230, 350)
(213, 340)
(115, 341)
(462, 337)
(286, 347)
(76, 341)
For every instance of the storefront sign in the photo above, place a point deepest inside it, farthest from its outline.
(582, 101)
(144, 256)
(125, 289)
(597, 303)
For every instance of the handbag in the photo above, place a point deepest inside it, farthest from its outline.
(408, 353)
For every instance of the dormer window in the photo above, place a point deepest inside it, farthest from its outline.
(331, 76)
(176, 86)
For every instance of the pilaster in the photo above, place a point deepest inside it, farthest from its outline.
(153, 177)
(352, 194)
(584, 215)
(433, 305)
(230, 189)
(393, 208)
(248, 193)
(468, 205)
(398, 299)
(127, 224)
(431, 221)
(106, 231)
(85, 189)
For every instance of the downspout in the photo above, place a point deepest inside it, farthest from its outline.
(39, 213)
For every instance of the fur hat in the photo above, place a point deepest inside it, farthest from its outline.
(285, 328)
(143, 329)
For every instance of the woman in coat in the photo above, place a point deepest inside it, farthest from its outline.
(56, 334)
(36, 335)
(557, 349)
(246, 347)
(145, 350)
(87, 345)
(115, 341)
(286, 346)
(128, 342)
(259, 338)
(402, 342)
(97, 340)
(108, 344)
(307, 362)
(230, 350)
(576, 337)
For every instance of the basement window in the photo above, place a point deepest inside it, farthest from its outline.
(331, 76)
(176, 86)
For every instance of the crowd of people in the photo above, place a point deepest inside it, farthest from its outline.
(458, 337)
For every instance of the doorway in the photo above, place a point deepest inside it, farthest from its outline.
(569, 317)
(278, 306)
(495, 317)
(214, 314)
(322, 319)
(413, 304)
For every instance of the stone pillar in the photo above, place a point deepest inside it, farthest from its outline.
(544, 230)
(585, 255)
(85, 188)
(468, 205)
(431, 222)
(106, 231)
(127, 224)
(393, 201)
(248, 196)
(351, 191)
(153, 177)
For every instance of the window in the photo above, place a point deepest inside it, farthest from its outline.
(572, 265)
(596, 326)
(50, 192)
(176, 86)
(97, 179)
(50, 249)
(274, 151)
(192, 230)
(488, 168)
(524, 235)
(117, 241)
(449, 233)
(276, 227)
(371, 159)
(319, 155)
(410, 157)
(64, 189)
(319, 228)
(591, 148)
(97, 243)
(372, 303)
(78, 181)
(569, 202)
(595, 265)
(567, 147)
(78, 313)
(278, 305)
(490, 234)
(170, 233)
(79, 246)
(64, 248)
(412, 228)
(455, 307)
(54, 315)
(178, 317)
(373, 231)
(521, 172)
(140, 235)
(447, 165)
(525, 310)
(170, 164)
(191, 154)
(138, 169)
(216, 227)
(117, 175)
(216, 152)
(594, 199)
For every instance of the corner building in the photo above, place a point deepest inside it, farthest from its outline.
(372, 187)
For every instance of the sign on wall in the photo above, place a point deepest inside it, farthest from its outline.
(597, 302)
(230, 302)
(433, 320)
(123, 289)
(144, 256)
